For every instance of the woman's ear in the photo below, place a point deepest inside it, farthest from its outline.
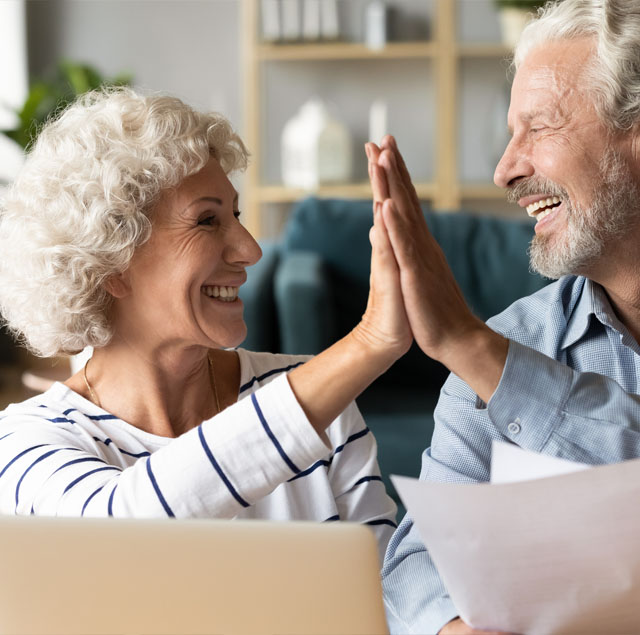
(118, 285)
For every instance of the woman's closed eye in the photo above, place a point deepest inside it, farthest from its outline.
(213, 219)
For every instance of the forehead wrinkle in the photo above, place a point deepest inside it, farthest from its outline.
(546, 94)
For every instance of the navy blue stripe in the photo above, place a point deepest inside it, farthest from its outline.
(158, 492)
(101, 417)
(80, 478)
(382, 521)
(317, 464)
(137, 456)
(110, 504)
(218, 469)
(15, 458)
(41, 458)
(69, 411)
(108, 442)
(276, 443)
(6, 435)
(83, 460)
(353, 437)
(275, 371)
(336, 517)
(90, 497)
(60, 420)
(366, 479)
(308, 471)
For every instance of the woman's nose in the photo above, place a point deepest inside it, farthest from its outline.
(244, 247)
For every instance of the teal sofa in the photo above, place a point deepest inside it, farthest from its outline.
(311, 286)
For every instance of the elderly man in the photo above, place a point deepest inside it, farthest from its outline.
(557, 372)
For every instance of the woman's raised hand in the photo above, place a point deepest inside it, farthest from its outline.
(384, 324)
(440, 320)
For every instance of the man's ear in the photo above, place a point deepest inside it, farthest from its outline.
(118, 285)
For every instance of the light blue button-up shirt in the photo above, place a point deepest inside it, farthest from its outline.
(569, 389)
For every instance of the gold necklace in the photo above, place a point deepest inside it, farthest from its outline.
(212, 379)
(94, 397)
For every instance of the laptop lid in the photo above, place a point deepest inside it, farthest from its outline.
(89, 576)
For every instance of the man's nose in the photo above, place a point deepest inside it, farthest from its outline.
(513, 165)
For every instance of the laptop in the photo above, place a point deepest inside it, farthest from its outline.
(89, 576)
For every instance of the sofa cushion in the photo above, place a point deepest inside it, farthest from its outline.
(488, 257)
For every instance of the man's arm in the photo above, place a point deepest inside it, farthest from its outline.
(533, 400)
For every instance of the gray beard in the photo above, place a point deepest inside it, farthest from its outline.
(589, 230)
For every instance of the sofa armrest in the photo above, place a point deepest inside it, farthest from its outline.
(257, 295)
(304, 303)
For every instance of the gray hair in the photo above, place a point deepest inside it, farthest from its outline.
(82, 205)
(614, 74)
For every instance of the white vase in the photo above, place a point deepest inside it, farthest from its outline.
(512, 23)
(315, 148)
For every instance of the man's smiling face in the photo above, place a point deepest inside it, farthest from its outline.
(563, 164)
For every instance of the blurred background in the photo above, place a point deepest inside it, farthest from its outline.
(432, 72)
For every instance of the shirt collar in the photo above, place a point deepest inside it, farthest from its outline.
(592, 301)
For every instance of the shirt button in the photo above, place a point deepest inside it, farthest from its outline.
(514, 427)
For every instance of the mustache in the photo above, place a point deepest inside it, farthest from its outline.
(535, 185)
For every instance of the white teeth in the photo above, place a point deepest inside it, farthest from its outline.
(543, 203)
(226, 294)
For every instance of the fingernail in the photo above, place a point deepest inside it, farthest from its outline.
(377, 207)
(368, 151)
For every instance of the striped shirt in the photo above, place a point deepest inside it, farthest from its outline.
(60, 454)
(569, 389)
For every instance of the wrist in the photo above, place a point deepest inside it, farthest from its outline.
(373, 349)
(478, 356)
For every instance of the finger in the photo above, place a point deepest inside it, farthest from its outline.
(381, 238)
(397, 190)
(401, 235)
(379, 184)
(389, 143)
(373, 151)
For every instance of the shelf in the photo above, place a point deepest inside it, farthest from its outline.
(282, 194)
(487, 50)
(345, 51)
(481, 191)
(442, 56)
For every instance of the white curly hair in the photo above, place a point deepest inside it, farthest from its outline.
(82, 204)
(614, 72)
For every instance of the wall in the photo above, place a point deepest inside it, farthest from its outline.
(192, 48)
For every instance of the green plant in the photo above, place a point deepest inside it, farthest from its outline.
(49, 96)
(529, 5)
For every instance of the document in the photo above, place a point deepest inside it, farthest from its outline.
(556, 553)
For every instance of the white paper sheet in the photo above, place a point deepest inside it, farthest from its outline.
(511, 464)
(559, 554)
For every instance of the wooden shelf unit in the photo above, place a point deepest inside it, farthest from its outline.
(446, 192)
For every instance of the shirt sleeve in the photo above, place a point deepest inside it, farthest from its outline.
(540, 404)
(545, 406)
(416, 600)
(357, 486)
(214, 470)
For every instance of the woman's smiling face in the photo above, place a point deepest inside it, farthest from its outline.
(181, 287)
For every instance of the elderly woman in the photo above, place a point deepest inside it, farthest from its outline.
(122, 232)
